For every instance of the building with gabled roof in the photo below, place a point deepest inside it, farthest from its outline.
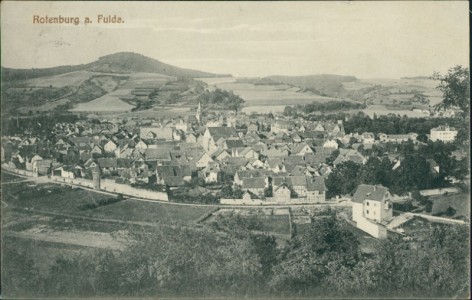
(372, 209)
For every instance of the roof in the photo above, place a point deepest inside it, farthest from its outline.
(222, 132)
(240, 161)
(254, 182)
(234, 144)
(107, 162)
(443, 128)
(159, 153)
(369, 192)
(174, 181)
(171, 171)
(317, 185)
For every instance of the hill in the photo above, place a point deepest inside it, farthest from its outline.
(122, 62)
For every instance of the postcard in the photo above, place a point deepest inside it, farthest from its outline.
(235, 149)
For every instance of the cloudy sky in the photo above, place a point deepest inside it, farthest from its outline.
(365, 39)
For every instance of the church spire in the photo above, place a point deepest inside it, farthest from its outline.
(199, 113)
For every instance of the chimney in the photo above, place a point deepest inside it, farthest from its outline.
(375, 187)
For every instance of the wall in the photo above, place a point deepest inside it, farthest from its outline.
(375, 230)
(111, 186)
(356, 211)
(434, 192)
(76, 181)
(20, 172)
(270, 201)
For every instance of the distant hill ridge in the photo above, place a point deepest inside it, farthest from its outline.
(122, 62)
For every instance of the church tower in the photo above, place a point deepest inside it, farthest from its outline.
(199, 113)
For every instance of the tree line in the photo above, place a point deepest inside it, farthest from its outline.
(220, 99)
(294, 111)
(414, 172)
(326, 260)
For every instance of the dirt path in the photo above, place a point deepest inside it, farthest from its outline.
(85, 238)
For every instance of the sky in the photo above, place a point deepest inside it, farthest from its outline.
(367, 39)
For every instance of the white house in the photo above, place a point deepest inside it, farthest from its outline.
(372, 209)
(110, 147)
(331, 144)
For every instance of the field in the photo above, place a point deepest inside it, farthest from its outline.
(278, 225)
(109, 102)
(72, 78)
(258, 97)
(392, 92)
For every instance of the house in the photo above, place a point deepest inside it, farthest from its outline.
(316, 190)
(372, 209)
(298, 184)
(246, 152)
(255, 185)
(301, 149)
(330, 144)
(282, 126)
(110, 146)
(158, 133)
(68, 171)
(220, 154)
(163, 172)
(30, 161)
(282, 193)
(141, 145)
(248, 195)
(241, 174)
(367, 138)
(107, 165)
(434, 167)
(190, 137)
(252, 127)
(42, 166)
(203, 161)
(213, 134)
(274, 152)
(443, 133)
(349, 155)
(397, 138)
(97, 150)
(231, 144)
(211, 173)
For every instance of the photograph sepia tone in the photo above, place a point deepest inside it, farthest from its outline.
(209, 150)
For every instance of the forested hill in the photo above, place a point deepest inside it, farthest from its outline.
(122, 62)
(329, 85)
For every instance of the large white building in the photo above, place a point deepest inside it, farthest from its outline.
(443, 133)
(372, 209)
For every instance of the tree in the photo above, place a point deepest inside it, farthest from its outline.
(344, 179)
(309, 259)
(455, 88)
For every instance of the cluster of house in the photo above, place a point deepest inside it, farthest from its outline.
(263, 156)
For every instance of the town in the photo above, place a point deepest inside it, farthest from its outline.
(238, 159)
